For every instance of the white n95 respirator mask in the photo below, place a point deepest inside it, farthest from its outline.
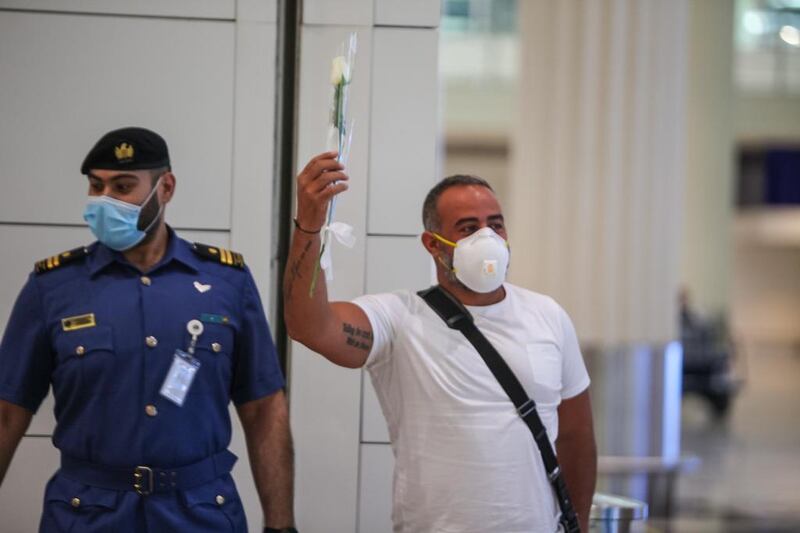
(480, 261)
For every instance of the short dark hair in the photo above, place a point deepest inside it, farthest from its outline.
(430, 215)
(156, 173)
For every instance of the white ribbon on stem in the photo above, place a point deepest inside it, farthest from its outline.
(343, 233)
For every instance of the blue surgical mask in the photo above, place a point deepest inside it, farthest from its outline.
(116, 223)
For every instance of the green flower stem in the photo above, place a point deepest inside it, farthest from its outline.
(337, 118)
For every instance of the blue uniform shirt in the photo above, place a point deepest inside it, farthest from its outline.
(106, 378)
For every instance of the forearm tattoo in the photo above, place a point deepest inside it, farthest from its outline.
(294, 270)
(357, 337)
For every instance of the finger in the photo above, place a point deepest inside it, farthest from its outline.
(318, 169)
(327, 155)
(333, 190)
(325, 165)
(325, 180)
(320, 157)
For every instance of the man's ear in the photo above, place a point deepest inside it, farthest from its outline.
(168, 187)
(430, 243)
(434, 247)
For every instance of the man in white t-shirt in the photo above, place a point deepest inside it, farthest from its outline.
(464, 459)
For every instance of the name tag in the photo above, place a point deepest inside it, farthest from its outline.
(78, 322)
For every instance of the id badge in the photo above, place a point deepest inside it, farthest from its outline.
(180, 376)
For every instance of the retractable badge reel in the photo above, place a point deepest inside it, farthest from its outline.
(183, 369)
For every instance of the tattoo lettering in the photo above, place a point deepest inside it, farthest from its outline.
(357, 344)
(358, 332)
(353, 336)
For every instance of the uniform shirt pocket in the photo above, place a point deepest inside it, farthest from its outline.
(83, 355)
(216, 339)
(83, 343)
(214, 350)
(545, 361)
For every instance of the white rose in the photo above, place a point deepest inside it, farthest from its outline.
(340, 71)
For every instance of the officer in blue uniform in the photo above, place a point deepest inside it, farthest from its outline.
(145, 339)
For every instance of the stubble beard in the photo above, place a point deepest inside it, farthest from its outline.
(447, 262)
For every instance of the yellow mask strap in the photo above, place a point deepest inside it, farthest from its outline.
(439, 237)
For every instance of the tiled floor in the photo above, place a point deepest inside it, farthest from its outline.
(750, 477)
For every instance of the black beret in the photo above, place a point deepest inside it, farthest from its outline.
(127, 149)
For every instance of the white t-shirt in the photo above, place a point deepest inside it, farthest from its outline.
(464, 460)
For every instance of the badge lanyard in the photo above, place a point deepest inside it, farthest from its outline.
(184, 368)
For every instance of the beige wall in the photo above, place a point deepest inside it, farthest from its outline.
(485, 158)
(765, 284)
(767, 117)
(766, 295)
(765, 300)
(54, 107)
(708, 196)
(343, 459)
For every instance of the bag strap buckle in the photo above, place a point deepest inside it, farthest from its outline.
(526, 408)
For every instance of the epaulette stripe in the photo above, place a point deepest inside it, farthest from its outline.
(238, 259)
(58, 260)
(222, 255)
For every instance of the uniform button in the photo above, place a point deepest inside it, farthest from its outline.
(151, 341)
(220, 499)
(216, 346)
(75, 502)
(146, 281)
(80, 350)
(150, 409)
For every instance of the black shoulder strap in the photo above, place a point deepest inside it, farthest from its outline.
(457, 317)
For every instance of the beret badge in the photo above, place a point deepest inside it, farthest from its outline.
(123, 152)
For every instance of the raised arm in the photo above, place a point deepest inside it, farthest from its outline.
(338, 330)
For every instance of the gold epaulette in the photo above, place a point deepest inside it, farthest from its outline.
(56, 261)
(226, 257)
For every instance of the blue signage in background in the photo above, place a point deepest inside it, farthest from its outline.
(782, 170)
